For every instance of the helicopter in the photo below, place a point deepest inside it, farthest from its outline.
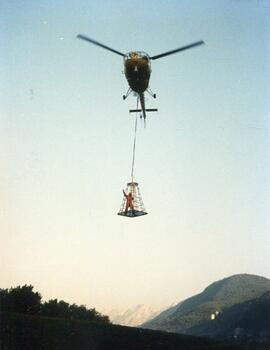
(137, 69)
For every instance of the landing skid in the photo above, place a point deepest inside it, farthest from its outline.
(150, 92)
(127, 94)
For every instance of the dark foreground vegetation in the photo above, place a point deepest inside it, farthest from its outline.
(26, 323)
(26, 332)
(25, 301)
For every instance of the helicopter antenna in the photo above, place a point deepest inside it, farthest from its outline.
(92, 41)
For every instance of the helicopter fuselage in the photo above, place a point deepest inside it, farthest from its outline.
(137, 71)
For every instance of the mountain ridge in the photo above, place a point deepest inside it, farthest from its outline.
(214, 298)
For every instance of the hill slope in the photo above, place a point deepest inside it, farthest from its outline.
(219, 295)
(250, 319)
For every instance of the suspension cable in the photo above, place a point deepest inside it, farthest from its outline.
(134, 143)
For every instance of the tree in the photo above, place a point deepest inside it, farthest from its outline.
(20, 299)
(25, 300)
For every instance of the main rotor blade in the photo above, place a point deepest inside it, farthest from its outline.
(80, 36)
(177, 50)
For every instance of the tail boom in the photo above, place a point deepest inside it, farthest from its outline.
(142, 101)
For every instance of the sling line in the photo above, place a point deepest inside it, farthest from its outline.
(134, 144)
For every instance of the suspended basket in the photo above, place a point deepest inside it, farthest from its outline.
(132, 204)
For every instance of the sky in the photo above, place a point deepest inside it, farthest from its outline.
(66, 138)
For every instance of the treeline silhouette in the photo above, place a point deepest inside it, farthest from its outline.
(28, 323)
(24, 300)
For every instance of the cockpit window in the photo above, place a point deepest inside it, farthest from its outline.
(137, 55)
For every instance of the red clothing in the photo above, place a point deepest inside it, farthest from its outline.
(129, 199)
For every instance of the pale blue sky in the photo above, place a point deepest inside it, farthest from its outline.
(66, 139)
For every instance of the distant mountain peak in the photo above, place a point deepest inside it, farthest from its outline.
(132, 316)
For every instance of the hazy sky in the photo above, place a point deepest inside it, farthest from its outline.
(66, 141)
